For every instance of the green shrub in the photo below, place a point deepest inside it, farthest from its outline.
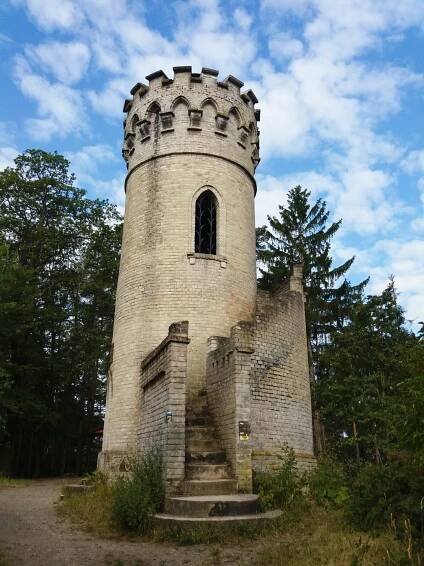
(328, 483)
(394, 491)
(137, 497)
(281, 489)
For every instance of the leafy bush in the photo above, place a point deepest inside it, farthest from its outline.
(281, 489)
(328, 483)
(389, 492)
(137, 497)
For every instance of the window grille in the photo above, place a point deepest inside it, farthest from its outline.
(205, 237)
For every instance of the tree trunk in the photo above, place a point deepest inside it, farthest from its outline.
(355, 436)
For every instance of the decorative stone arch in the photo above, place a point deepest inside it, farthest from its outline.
(180, 100)
(235, 114)
(253, 132)
(180, 108)
(134, 121)
(221, 221)
(154, 108)
(209, 101)
(153, 112)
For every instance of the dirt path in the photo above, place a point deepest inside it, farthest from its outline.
(32, 533)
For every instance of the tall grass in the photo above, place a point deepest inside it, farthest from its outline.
(141, 494)
(126, 504)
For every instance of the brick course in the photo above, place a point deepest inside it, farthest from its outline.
(182, 136)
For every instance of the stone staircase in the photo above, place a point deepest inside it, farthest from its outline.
(209, 491)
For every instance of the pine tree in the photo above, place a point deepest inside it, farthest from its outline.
(371, 393)
(60, 254)
(301, 235)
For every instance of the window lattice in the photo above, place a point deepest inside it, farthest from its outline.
(205, 238)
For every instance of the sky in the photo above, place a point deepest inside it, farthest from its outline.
(340, 85)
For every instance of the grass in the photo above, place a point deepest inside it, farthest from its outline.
(12, 482)
(322, 536)
(308, 535)
(92, 510)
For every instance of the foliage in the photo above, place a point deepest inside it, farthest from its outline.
(214, 534)
(392, 491)
(301, 236)
(282, 488)
(92, 509)
(323, 536)
(371, 393)
(138, 496)
(328, 482)
(59, 255)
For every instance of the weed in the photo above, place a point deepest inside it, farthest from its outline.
(141, 494)
(283, 488)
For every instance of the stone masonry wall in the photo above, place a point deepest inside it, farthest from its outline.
(162, 417)
(280, 388)
(227, 385)
(182, 135)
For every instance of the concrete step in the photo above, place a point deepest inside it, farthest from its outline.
(200, 432)
(212, 505)
(209, 487)
(205, 457)
(165, 519)
(205, 445)
(207, 471)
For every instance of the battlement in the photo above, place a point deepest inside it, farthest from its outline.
(191, 113)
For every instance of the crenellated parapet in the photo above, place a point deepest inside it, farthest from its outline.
(191, 113)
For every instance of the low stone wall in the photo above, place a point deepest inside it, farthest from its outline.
(163, 392)
(258, 379)
(227, 385)
(280, 387)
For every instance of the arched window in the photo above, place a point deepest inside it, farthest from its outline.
(205, 236)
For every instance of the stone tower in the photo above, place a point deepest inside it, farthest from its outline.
(188, 252)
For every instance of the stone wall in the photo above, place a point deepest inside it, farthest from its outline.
(227, 386)
(280, 387)
(162, 418)
(161, 278)
(258, 378)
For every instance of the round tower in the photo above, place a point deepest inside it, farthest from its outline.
(188, 250)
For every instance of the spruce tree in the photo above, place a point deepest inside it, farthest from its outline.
(302, 235)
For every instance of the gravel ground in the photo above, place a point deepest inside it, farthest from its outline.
(32, 533)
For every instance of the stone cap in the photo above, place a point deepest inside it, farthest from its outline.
(178, 332)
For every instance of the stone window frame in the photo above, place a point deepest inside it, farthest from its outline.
(221, 228)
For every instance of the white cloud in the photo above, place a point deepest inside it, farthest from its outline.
(89, 164)
(283, 46)
(403, 259)
(414, 162)
(68, 62)
(60, 108)
(322, 98)
(88, 161)
(54, 14)
(243, 19)
(7, 155)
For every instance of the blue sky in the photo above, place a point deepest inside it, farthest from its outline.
(340, 85)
